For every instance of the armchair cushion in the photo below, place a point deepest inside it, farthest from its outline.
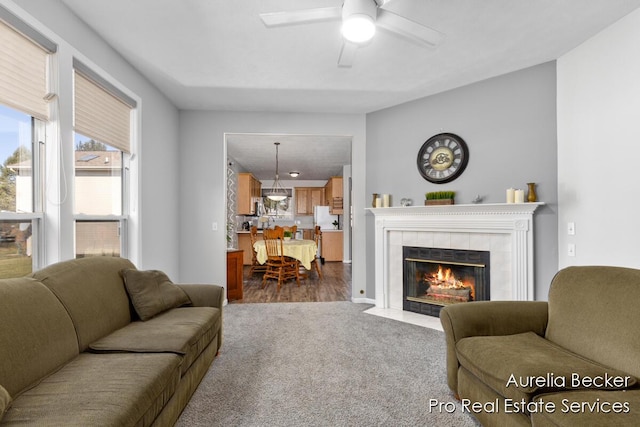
(521, 365)
(488, 318)
(152, 292)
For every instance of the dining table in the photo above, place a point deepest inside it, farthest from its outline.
(301, 249)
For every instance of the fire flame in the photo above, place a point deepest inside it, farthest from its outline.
(444, 278)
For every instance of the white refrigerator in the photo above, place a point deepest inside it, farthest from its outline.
(323, 218)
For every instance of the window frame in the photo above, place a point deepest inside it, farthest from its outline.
(104, 86)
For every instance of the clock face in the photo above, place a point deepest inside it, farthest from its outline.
(442, 158)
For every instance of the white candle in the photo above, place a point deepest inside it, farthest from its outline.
(511, 195)
(385, 200)
(378, 202)
(519, 196)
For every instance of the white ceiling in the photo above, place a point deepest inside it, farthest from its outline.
(316, 157)
(218, 55)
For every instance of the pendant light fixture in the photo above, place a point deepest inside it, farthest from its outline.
(276, 192)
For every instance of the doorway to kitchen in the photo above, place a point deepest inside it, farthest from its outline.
(306, 164)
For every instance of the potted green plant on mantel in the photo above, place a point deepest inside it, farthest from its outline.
(439, 198)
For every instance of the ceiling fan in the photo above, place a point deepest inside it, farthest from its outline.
(360, 18)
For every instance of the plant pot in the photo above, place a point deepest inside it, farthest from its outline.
(287, 239)
(438, 202)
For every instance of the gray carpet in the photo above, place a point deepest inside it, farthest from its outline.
(322, 364)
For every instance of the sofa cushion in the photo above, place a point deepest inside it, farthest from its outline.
(519, 366)
(92, 291)
(37, 336)
(124, 389)
(152, 292)
(590, 304)
(5, 401)
(590, 408)
(185, 331)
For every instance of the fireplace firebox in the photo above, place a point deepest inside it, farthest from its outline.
(436, 277)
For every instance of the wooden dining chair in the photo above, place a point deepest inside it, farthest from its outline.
(256, 267)
(317, 236)
(292, 229)
(279, 266)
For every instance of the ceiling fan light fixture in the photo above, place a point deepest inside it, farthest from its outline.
(358, 28)
(359, 20)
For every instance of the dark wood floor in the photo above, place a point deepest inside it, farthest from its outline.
(335, 285)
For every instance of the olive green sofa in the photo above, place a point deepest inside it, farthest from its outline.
(571, 361)
(74, 352)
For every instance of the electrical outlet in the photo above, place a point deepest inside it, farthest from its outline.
(214, 226)
(571, 228)
(571, 249)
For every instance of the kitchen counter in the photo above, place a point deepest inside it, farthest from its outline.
(260, 230)
(332, 245)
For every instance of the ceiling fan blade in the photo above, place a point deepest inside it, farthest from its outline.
(408, 29)
(347, 54)
(293, 17)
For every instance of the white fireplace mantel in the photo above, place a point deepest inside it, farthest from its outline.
(460, 224)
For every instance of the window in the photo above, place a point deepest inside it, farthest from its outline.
(61, 197)
(102, 119)
(24, 110)
(98, 201)
(20, 205)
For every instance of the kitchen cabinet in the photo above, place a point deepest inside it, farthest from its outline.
(307, 198)
(332, 246)
(249, 192)
(334, 195)
(234, 274)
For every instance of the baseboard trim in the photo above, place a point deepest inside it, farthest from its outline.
(363, 300)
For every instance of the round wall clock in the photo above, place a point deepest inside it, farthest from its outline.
(443, 158)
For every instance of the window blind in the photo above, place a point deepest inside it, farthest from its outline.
(23, 73)
(99, 114)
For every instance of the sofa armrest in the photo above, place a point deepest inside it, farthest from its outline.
(207, 296)
(204, 295)
(488, 318)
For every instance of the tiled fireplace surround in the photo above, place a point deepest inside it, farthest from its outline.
(505, 230)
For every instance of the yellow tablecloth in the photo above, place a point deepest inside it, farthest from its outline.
(302, 250)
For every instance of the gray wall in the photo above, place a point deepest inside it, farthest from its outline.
(509, 124)
(598, 134)
(202, 178)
